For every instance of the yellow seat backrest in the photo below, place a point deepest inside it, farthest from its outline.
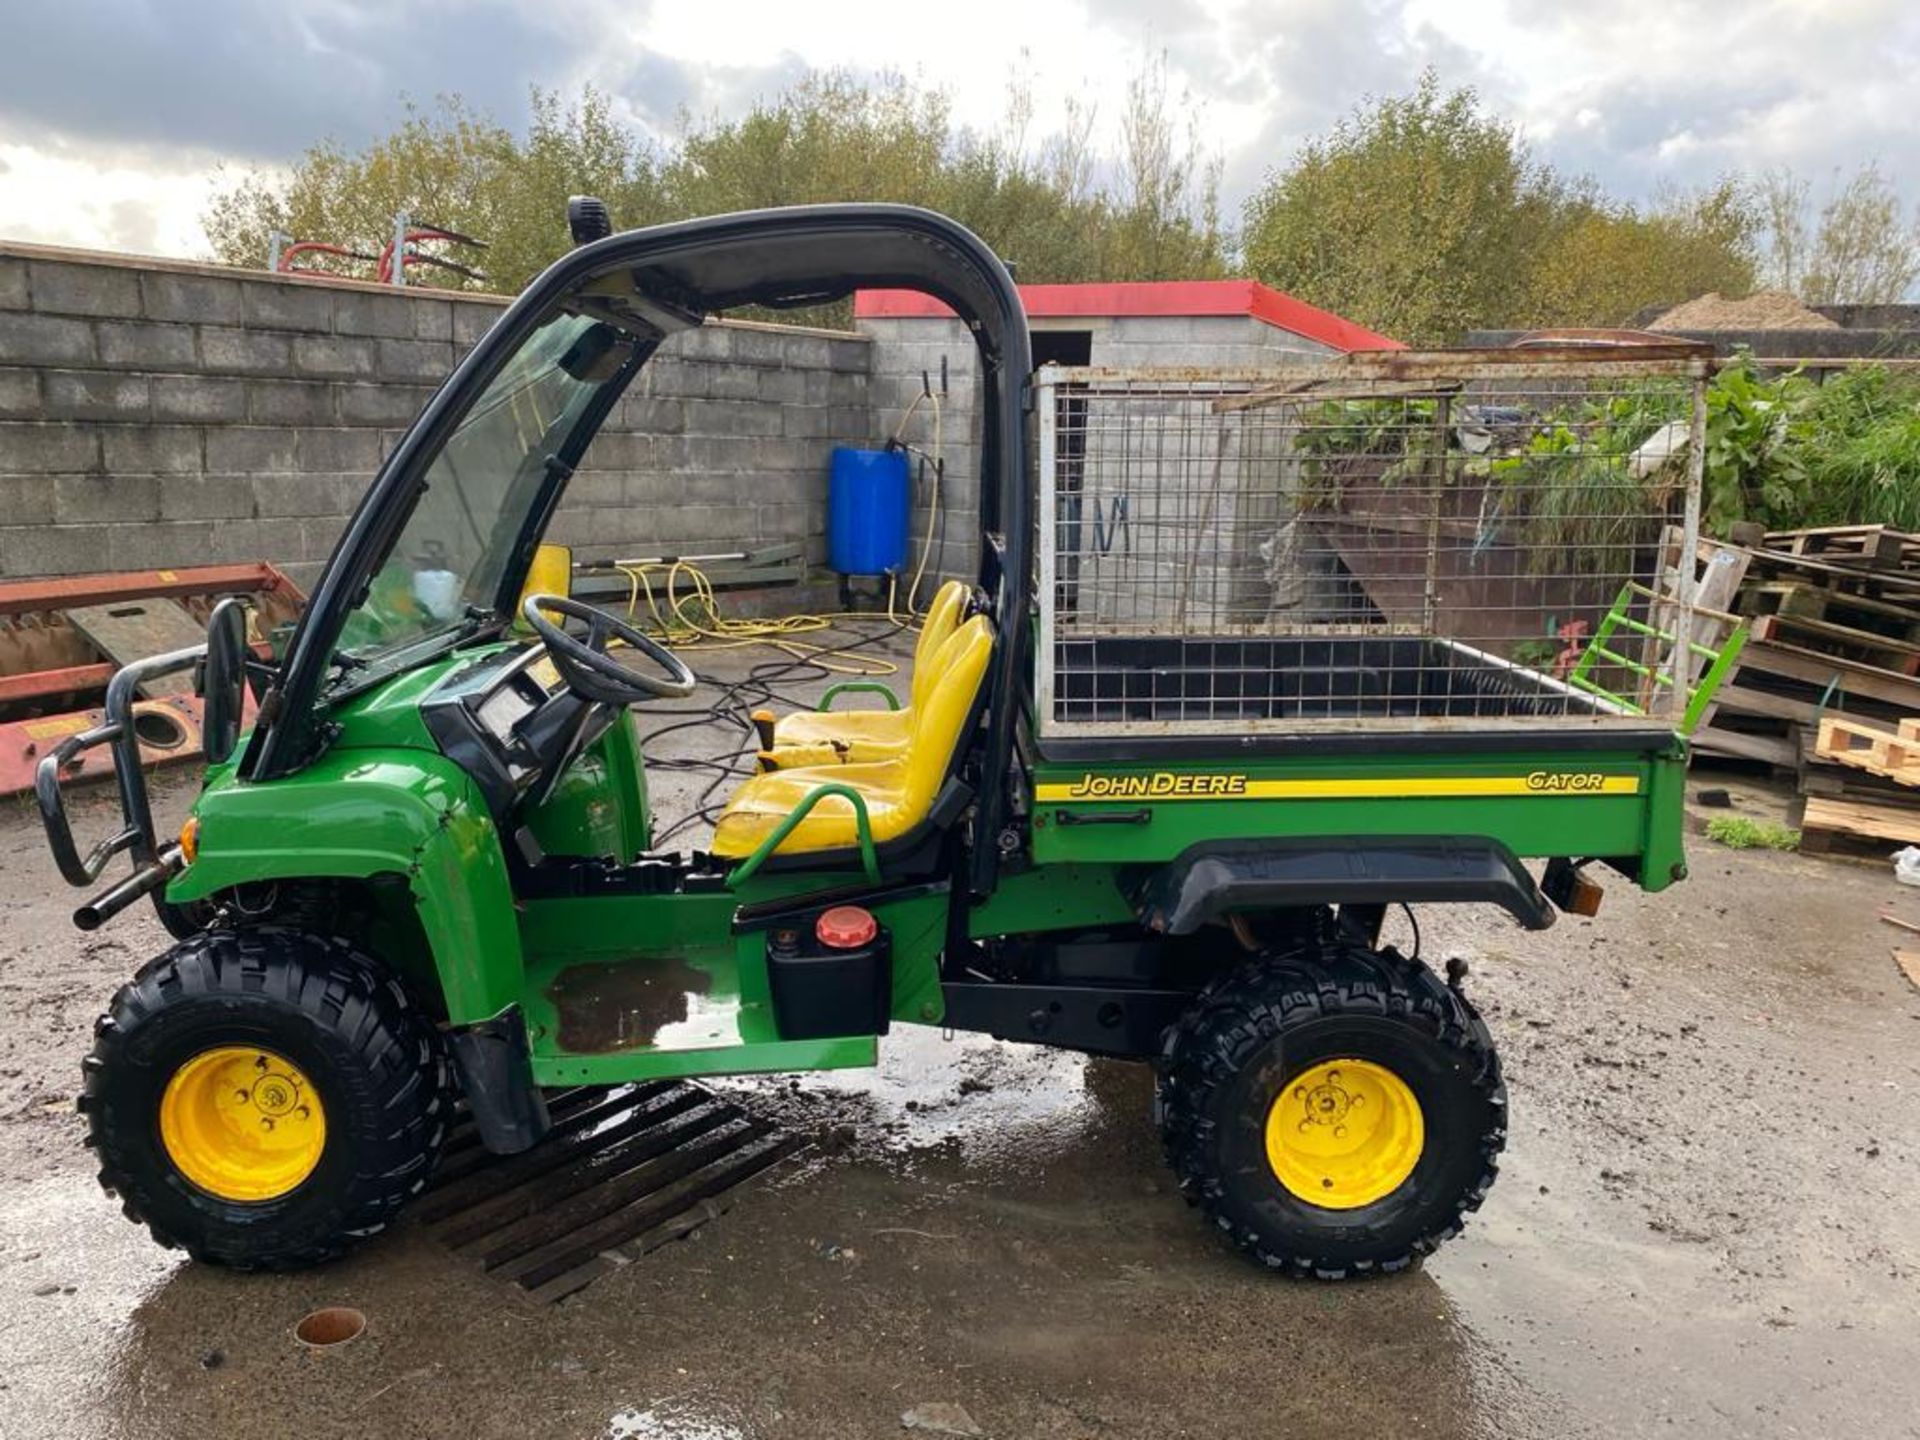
(943, 618)
(960, 667)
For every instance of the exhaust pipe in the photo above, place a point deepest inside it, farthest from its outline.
(144, 881)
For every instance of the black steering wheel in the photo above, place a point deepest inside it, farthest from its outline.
(586, 667)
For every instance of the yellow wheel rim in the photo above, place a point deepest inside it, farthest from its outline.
(242, 1123)
(1344, 1134)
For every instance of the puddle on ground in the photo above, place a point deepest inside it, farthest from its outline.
(72, 1272)
(671, 1420)
(628, 1004)
(996, 1106)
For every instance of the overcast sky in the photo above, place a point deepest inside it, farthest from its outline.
(115, 115)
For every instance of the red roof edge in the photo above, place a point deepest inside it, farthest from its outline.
(1152, 297)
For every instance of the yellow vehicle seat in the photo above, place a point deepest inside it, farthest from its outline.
(820, 736)
(899, 792)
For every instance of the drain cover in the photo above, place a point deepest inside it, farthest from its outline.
(622, 1172)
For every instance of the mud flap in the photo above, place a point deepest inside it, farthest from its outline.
(495, 1062)
(1210, 881)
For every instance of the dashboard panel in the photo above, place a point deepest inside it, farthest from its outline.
(494, 719)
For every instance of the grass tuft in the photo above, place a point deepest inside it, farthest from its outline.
(1737, 832)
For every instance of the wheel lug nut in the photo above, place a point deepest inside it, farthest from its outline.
(1339, 1132)
(241, 1097)
(266, 1123)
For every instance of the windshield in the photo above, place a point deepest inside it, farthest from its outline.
(447, 562)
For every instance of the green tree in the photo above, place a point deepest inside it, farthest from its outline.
(830, 137)
(441, 168)
(1414, 215)
(1601, 262)
(1424, 217)
(1861, 249)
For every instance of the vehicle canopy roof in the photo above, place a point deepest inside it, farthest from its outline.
(650, 283)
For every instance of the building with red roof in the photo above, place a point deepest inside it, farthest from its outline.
(1155, 322)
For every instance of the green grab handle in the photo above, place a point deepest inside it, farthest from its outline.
(872, 687)
(869, 862)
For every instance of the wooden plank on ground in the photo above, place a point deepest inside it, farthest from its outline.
(1909, 963)
(1853, 817)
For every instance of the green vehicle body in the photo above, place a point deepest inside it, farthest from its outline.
(1081, 897)
(386, 808)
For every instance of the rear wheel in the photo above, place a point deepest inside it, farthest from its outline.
(264, 1098)
(1335, 1112)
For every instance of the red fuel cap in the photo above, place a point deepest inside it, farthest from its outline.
(846, 927)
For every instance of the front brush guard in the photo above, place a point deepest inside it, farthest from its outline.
(153, 865)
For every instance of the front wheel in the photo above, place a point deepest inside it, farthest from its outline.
(264, 1098)
(1335, 1112)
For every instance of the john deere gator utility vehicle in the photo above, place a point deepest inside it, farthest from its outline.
(1273, 652)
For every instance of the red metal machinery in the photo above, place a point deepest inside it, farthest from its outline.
(409, 239)
(53, 676)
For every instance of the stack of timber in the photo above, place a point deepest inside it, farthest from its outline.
(1829, 681)
(1861, 783)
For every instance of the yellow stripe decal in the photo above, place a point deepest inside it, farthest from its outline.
(1184, 785)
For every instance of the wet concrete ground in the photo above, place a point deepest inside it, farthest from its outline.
(1706, 1225)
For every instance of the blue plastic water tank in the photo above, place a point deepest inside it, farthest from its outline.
(868, 509)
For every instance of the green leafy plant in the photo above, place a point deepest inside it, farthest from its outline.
(1571, 491)
(1754, 469)
(1535, 654)
(1737, 832)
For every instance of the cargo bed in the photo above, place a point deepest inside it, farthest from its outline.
(1225, 683)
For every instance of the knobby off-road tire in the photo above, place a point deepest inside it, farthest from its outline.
(1240, 1049)
(361, 1047)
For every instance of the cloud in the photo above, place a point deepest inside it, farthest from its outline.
(1637, 93)
(139, 198)
(265, 81)
(1269, 74)
(1646, 92)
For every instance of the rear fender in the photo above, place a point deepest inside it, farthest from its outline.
(371, 813)
(1208, 882)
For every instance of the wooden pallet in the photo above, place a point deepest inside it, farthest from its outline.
(1826, 821)
(1797, 601)
(1894, 754)
(1877, 545)
(1856, 580)
(1850, 642)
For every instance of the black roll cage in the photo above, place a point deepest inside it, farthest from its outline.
(804, 255)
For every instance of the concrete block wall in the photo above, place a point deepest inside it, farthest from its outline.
(156, 413)
(722, 443)
(1219, 341)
